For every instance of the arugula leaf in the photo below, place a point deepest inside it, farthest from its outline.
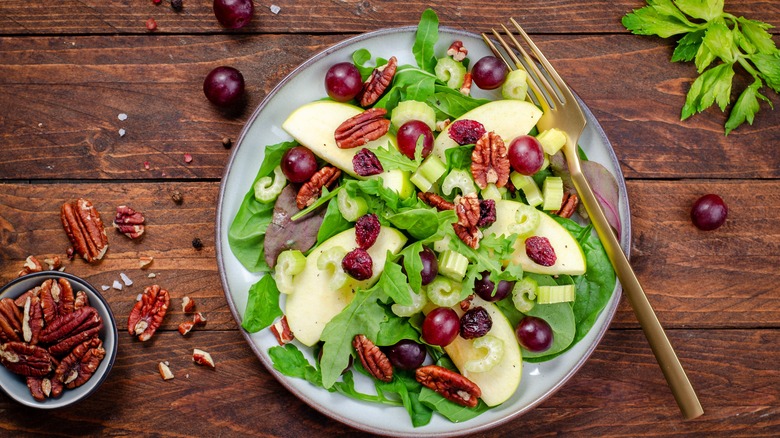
(394, 329)
(262, 306)
(425, 40)
(450, 103)
(746, 107)
(392, 282)
(392, 159)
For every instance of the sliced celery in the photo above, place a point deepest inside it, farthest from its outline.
(428, 173)
(526, 220)
(443, 292)
(516, 85)
(413, 110)
(527, 184)
(555, 294)
(458, 178)
(552, 192)
(450, 71)
(351, 208)
(418, 302)
(524, 294)
(289, 263)
(552, 140)
(453, 264)
(329, 262)
(268, 189)
(492, 351)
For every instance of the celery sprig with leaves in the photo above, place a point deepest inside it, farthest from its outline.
(716, 41)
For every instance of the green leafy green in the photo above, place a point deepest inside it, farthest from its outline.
(713, 36)
(332, 224)
(392, 159)
(425, 40)
(450, 410)
(262, 306)
(560, 316)
(289, 361)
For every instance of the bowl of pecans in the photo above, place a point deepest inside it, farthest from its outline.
(58, 339)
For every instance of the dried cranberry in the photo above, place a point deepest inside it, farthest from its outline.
(475, 323)
(466, 131)
(540, 250)
(367, 230)
(366, 163)
(358, 264)
(487, 213)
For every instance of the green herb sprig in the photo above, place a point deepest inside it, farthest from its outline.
(712, 35)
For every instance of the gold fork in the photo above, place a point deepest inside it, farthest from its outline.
(562, 111)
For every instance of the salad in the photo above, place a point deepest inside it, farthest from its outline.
(415, 234)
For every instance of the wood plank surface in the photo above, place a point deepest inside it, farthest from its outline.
(67, 92)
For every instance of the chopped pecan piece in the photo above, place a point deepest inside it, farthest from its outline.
(10, 321)
(25, 359)
(199, 319)
(81, 300)
(165, 371)
(468, 210)
(201, 357)
(129, 222)
(187, 304)
(148, 313)
(78, 366)
(373, 359)
(185, 327)
(489, 161)
(377, 83)
(31, 264)
(282, 332)
(449, 384)
(85, 229)
(465, 89)
(569, 205)
(457, 51)
(362, 128)
(435, 201)
(311, 190)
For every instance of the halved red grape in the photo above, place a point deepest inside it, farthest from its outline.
(526, 155)
(484, 288)
(343, 82)
(489, 73)
(709, 212)
(408, 135)
(534, 334)
(441, 326)
(299, 164)
(234, 14)
(224, 86)
(406, 354)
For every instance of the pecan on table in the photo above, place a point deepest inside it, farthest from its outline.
(56, 299)
(449, 384)
(373, 359)
(25, 359)
(78, 366)
(467, 208)
(377, 83)
(489, 161)
(10, 321)
(129, 222)
(569, 205)
(148, 313)
(201, 357)
(31, 264)
(435, 201)
(311, 190)
(362, 128)
(85, 229)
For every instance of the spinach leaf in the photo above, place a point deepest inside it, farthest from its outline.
(394, 329)
(289, 361)
(452, 411)
(561, 319)
(413, 264)
(459, 157)
(420, 223)
(247, 231)
(262, 306)
(425, 40)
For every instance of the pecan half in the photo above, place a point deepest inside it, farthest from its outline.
(449, 384)
(10, 321)
(373, 359)
(40, 387)
(148, 313)
(31, 264)
(85, 229)
(56, 299)
(129, 222)
(468, 210)
(311, 190)
(469, 235)
(362, 128)
(569, 205)
(21, 299)
(32, 319)
(377, 83)
(25, 359)
(78, 366)
(81, 300)
(435, 201)
(489, 161)
(70, 324)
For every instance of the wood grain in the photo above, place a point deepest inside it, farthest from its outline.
(67, 93)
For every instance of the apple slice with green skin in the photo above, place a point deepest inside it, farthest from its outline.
(507, 118)
(569, 256)
(313, 304)
(501, 381)
(314, 125)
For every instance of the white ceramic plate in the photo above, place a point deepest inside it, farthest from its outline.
(305, 84)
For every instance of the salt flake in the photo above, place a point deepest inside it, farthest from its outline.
(105, 287)
(117, 285)
(122, 132)
(122, 117)
(275, 9)
(125, 279)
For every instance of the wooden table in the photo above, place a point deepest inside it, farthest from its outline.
(69, 68)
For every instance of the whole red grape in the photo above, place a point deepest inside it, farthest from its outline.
(343, 82)
(526, 155)
(534, 334)
(408, 135)
(441, 326)
(709, 212)
(298, 164)
(489, 73)
(234, 14)
(224, 86)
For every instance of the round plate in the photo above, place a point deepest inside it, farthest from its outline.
(306, 84)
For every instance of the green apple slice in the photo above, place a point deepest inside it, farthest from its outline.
(570, 258)
(507, 118)
(312, 303)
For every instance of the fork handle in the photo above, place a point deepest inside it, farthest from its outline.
(664, 353)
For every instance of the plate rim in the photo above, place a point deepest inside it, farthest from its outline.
(610, 310)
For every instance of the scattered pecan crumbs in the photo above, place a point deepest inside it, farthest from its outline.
(177, 197)
(373, 359)
(185, 327)
(151, 24)
(187, 304)
(201, 357)
(165, 371)
(227, 143)
(145, 261)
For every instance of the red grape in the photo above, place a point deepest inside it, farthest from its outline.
(406, 354)
(534, 334)
(484, 288)
(441, 326)
(489, 73)
(709, 212)
(233, 14)
(224, 86)
(343, 82)
(526, 155)
(430, 265)
(298, 164)
(409, 133)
